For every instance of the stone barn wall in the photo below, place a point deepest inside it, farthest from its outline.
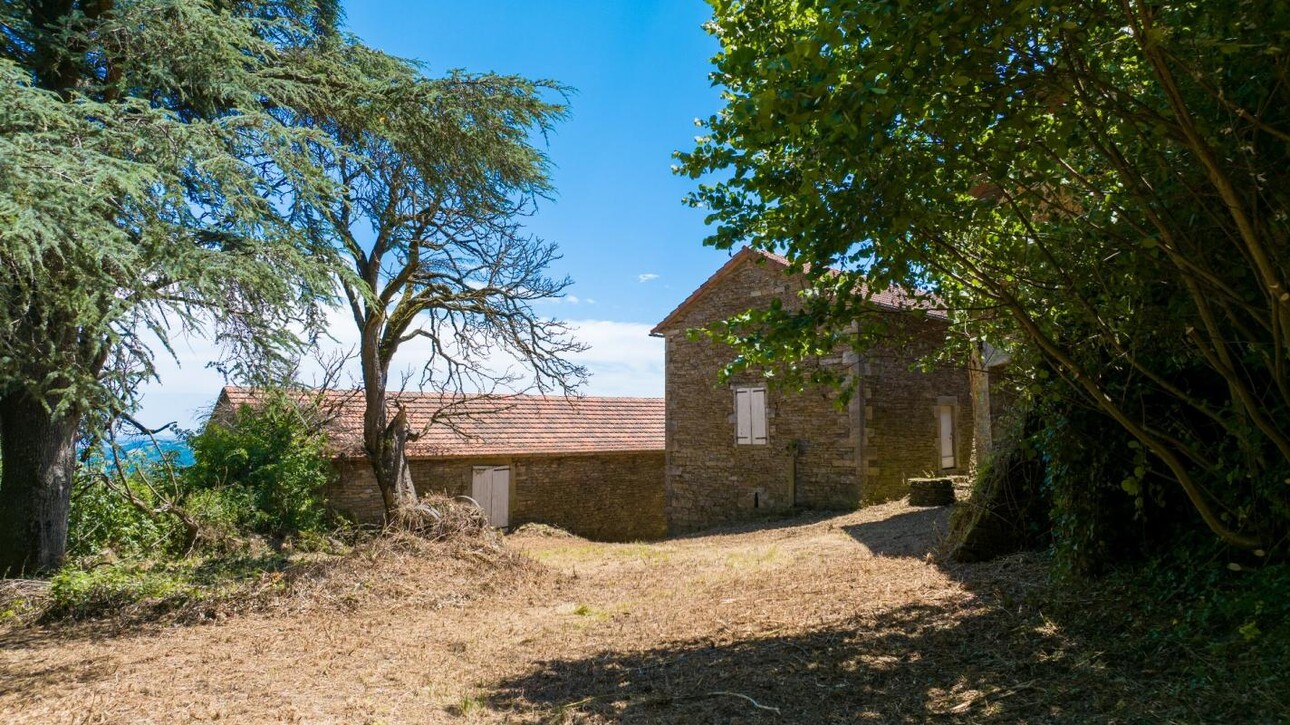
(607, 496)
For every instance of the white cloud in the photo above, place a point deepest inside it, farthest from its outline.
(646, 277)
(623, 359)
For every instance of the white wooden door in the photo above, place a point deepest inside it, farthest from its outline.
(491, 488)
(947, 436)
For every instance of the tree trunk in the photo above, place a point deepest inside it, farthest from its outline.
(979, 383)
(391, 466)
(39, 462)
(384, 439)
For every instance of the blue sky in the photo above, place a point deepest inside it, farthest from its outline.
(639, 71)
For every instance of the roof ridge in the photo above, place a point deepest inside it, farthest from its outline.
(893, 294)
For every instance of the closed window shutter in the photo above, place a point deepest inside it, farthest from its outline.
(743, 415)
(757, 401)
(947, 436)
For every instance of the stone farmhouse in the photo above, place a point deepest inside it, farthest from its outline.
(740, 449)
(592, 466)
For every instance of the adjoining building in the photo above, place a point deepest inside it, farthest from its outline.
(737, 449)
(592, 466)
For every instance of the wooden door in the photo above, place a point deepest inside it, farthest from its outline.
(947, 436)
(491, 489)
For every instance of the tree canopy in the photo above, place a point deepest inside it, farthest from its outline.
(142, 169)
(1102, 183)
(437, 177)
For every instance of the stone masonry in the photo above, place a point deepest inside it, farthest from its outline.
(604, 496)
(591, 465)
(817, 455)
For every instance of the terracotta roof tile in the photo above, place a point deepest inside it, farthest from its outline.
(477, 426)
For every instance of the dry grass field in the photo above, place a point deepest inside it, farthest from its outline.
(839, 618)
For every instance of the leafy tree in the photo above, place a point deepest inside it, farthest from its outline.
(1103, 182)
(430, 222)
(141, 175)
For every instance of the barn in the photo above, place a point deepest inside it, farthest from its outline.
(590, 465)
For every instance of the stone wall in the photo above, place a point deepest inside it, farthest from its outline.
(609, 497)
(606, 497)
(901, 412)
(817, 455)
(353, 493)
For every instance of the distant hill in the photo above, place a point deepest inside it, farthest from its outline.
(144, 447)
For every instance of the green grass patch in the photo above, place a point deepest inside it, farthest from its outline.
(148, 589)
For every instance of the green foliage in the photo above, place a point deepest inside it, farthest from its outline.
(102, 519)
(150, 587)
(1198, 608)
(143, 174)
(80, 592)
(1099, 186)
(139, 162)
(262, 470)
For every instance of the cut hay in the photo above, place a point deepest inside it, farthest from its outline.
(23, 600)
(439, 553)
(429, 573)
(439, 518)
(542, 530)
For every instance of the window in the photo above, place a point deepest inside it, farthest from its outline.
(750, 415)
(945, 424)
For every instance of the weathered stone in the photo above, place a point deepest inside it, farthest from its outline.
(931, 491)
(605, 496)
(817, 455)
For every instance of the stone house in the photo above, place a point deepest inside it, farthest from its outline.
(592, 466)
(738, 449)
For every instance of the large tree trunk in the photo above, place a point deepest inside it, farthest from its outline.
(384, 439)
(391, 468)
(39, 462)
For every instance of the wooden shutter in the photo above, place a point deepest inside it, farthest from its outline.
(757, 401)
(743, 415)
(946, 415)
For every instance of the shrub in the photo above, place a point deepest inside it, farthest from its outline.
(77, 592)
(262, 469)
(101, 518)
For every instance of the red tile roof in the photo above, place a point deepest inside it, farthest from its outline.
(892, 298)
(479, 426)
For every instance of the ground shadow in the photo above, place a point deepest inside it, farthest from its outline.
(766, 522)
(913, 664)
(915, 534)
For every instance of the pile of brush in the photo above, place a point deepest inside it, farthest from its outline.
(439, 518)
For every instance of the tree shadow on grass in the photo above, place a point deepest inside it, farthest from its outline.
(770, 521)
(912, 664)
(913, 534)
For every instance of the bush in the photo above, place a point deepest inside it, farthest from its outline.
(102, 519)
(262, 470)
(77, 592)
(136, 590)
(1009, 507)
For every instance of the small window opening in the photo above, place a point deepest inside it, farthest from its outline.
(756, 500)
